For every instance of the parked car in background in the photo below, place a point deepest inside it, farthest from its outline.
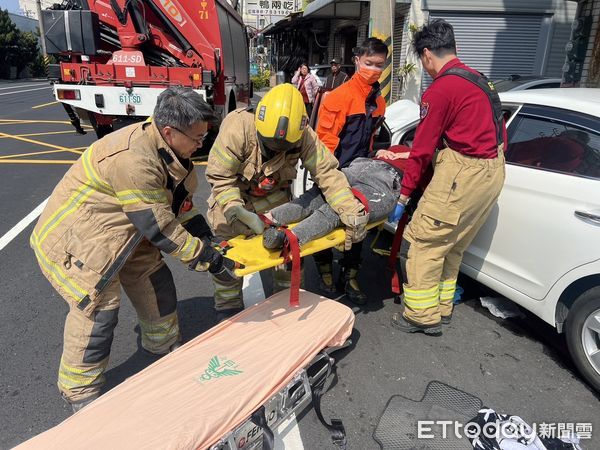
(540, 247)
(524, 82)
(321, 71)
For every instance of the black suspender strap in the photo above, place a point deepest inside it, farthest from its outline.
(487, 87)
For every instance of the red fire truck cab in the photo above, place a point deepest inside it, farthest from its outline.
(116, 56)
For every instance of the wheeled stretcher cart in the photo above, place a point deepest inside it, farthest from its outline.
(227, 388)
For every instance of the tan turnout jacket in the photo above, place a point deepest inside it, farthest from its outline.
(127, 186)
(236, 165)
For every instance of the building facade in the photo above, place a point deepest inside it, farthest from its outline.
(497, 37)
(589, 10)
(29, 9)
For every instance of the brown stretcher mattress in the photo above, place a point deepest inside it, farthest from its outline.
(192, 397)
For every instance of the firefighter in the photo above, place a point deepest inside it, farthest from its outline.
(348, 118)
(126, 199)
(250, 168)
(461, 115)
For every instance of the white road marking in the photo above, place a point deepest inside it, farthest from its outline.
(26, 90)
(253, 290)
(287, 435)
(19, 86)
(24, 223)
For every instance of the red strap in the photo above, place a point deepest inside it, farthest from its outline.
(396, 281)
(361, 198)
(266, 220)
(290, 252)
(292, 248)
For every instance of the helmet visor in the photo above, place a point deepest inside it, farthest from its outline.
(278, 145)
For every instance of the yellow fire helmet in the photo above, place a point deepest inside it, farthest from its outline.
(281, 118)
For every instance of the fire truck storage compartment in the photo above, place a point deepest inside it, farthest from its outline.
(74, 31)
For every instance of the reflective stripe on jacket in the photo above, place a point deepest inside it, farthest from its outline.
(122, 184)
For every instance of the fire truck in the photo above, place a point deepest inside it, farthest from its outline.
(116, 56)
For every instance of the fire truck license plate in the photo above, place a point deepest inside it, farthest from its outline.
(133, 99)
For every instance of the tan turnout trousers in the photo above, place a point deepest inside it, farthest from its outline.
(148, 283)
(453, 208)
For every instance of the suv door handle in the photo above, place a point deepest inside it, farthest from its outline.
(588, 216)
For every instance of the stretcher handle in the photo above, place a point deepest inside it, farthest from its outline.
(336, 427)
(260, 419)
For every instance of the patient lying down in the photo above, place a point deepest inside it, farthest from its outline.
(379, 181)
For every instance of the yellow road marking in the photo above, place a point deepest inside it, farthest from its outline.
(18, 121)
(53, 161)
(43, 144)
(37, 161)
(201, 163)
(31, 154)
(39, 134)
(44, 104)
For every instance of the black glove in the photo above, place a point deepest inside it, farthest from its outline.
(210, 259)
(225, 271)
(198, 227)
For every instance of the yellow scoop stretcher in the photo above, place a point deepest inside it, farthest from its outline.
(255, 257)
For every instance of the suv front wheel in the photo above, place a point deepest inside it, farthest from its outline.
(583, 335)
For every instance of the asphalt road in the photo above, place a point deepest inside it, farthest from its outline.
(516, 366)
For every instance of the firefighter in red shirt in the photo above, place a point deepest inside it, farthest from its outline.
(461, 116)
(348, 118)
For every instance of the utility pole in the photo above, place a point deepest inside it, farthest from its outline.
(38, 4)
(382, 24)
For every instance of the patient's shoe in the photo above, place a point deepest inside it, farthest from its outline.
(273, 238)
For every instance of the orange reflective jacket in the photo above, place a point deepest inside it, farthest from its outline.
(347, 119)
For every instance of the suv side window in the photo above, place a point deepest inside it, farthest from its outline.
(545, 86)
(547, 143)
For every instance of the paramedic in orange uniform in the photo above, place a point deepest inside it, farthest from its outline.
(348, 118)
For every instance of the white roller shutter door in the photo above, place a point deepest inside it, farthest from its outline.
(497, 44)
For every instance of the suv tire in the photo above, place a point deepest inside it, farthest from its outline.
(583, 335)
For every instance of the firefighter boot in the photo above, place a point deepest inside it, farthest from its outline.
(325, 271)
(282, 276)
(76, 406)
(351, 287)
(408, 326)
